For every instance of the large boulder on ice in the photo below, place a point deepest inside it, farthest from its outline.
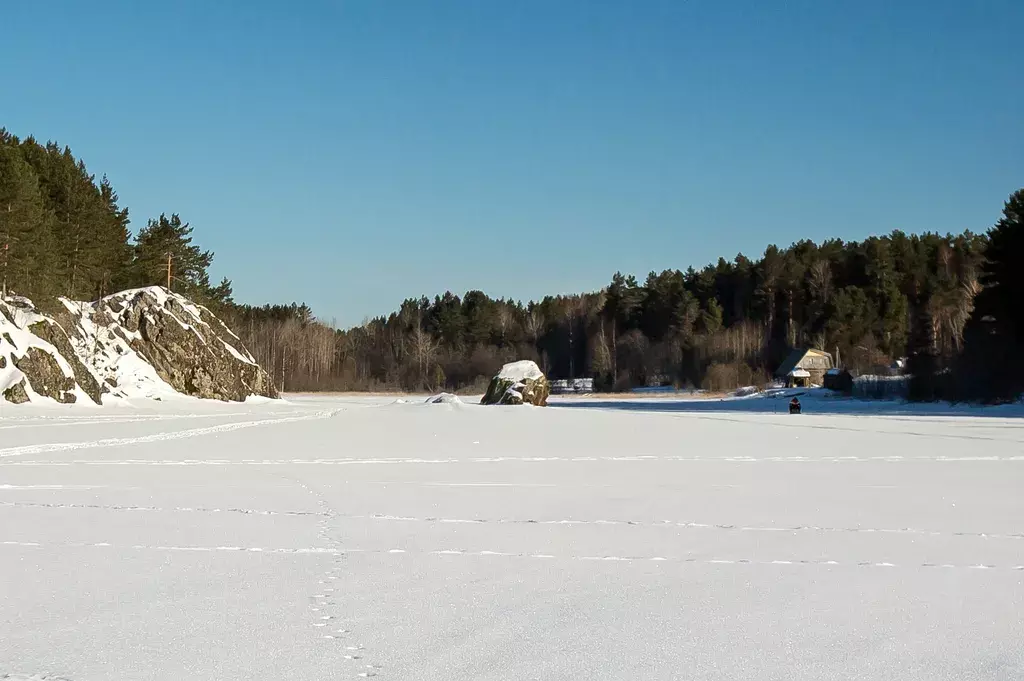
(518, 383)
(142, 343)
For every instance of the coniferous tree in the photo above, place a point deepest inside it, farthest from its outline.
(992, 366)
(115, 250)
(1002, 271)
(164, 249)
(711, 318)
(26, 229)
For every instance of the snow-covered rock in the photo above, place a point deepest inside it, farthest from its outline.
(140, 343)
(444, 398)
(521, 370)
(518, 383)
(37, 359)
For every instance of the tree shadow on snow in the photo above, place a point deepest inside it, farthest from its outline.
(813, 402)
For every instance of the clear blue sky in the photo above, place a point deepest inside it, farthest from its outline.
(352, 154)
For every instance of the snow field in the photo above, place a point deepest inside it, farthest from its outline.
(333, 538)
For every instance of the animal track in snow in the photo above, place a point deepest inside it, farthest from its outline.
(322, 599)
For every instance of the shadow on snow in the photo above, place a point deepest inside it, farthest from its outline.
(813, 401)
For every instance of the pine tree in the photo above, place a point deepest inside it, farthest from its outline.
(115, 248)
(164, 250)
(711, 317)
(1003, 273)
(219, 298)
(991, 366)
(26, 238)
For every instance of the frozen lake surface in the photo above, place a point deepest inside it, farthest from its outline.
(344, 538)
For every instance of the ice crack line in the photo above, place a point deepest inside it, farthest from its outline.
(329, 515)
(175, 509)
(689, 525)
(157, 437)
(32, 449)
(327, 591)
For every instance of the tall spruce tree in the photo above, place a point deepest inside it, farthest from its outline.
(992, 366)
(115, 248)
(1003, 273)
(26, 229)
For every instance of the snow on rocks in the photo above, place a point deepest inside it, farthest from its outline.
(520, 371)
(36, 359)
(444, 398)
(518, 383)
(140, 343)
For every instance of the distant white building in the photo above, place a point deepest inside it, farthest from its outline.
(567, 386)
(898, 367)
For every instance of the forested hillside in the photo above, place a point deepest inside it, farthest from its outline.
(949, 302)
(63, 232)
(728, 324)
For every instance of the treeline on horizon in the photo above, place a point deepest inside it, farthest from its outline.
(950, 304)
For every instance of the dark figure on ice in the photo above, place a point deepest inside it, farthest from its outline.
(794, 406)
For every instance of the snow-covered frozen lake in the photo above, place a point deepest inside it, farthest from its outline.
(336, 538)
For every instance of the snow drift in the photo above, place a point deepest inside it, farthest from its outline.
(141, 343)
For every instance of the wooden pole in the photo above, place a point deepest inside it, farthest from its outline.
(7, 246)
(169, 271)
(4, 294)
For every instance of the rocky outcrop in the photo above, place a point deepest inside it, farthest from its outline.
(518, 383)
(48, 377)
(16, 394)
(187, 346)
(53, 333)
(33, 366)
(147, 343)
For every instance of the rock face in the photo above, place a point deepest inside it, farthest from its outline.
(54, 334)
(185, 344)
(141, 343)
(32, 364)
(518, 383)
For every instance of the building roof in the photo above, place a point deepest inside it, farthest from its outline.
(797, 357)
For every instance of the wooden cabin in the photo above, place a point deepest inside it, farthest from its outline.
(804, 368)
